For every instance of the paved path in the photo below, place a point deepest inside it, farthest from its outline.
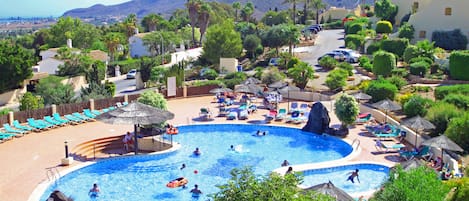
(25, 159)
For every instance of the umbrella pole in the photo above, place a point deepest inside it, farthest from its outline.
(135, 140)
(288, 102)
(416, 138)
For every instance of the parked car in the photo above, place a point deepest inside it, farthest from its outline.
(273, 61)
(351, 56)
(131, 74)
(314, 28)
(336, 55)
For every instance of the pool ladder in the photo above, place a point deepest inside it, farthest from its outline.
(53, 175)
(357, 141)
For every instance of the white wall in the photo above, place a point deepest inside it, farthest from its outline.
(50, 66)
(137, 48)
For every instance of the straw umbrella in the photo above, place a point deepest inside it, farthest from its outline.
(411, 164)
(137, 114)
(443, 143)
(387, 105)
(330, 189)
(252, 80)
(418, 123)
(287, 90)
(220, 90)
(361, 96)
(278, 85)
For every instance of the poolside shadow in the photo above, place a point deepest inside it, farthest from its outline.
(203, 119)
(366, 134)
(257, 122)
(393, 158)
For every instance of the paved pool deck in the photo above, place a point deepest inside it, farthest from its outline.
(25, 160)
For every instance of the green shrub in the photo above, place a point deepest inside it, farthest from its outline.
(461, 188)
(406, 31)
(355, 28)
(347, 67)
(154, 99)
(373, 47)
(440, 114)
(336, 78)
(419, 68)
(427, 60)
(199, 83)
(398, 81)
(450, 40)
(357, 40)
(457, 130)
(416, 105)
(210, 74)
(365, 62)
(381, 89)
(383, 63)
(126, 65)
(31, 102)
(396, 46)
(110, 87)
(337, 24)
(293, 62)
(460, 101)
(233, 79)
(328, 62)
(272, 76)
(458, 67)
(442, 91)
(400, 72)
(411, 52)
(383, 26)
(5, 111)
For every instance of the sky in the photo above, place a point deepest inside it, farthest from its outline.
(46, 8)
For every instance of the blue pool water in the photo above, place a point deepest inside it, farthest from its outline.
(371, 177)
(145, 177)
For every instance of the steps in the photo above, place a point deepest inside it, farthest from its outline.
(99, 148)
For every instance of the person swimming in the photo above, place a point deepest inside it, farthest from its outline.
(195, 191)
(197, 151)
(285, 163)
(94, 192)
(183, 166)
(353, 175)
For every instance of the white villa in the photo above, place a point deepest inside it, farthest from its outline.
(434, 15)
(136, 46)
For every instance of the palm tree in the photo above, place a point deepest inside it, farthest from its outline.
(150, 21)
(247, 11)
(204, 17)
(318, 5)
(305, 10)
(130, 24)
(193, 6)
(112, 40)
(293, 2)
(236, 6)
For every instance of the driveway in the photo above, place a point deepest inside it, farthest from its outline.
(326, 41)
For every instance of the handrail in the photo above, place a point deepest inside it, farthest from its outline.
(357, 141)
(53, 174)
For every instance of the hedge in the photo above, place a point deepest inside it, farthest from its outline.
(406, 31)
(336, 78)
(381, 89)
(383, 63)
(373, 47)
(383, 26)
(450, 40)
(443, 91)
(459, 100)
(357, 40)
(419, 68)
(355, 28)
(440, 114)
(396, 46)
(427, 60)
(416, 105)
(410, 52)
(458, 68)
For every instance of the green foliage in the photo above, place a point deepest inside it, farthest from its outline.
(53, 91)
(337, 24)
(396, 46)
(440, 114)
(280, 35)
(420, 183)
(398, 81)
(442, 91)
(127, 65)
(208, 82)
(158, 73)
(233, 79)
(406, 31)
(461, 187)
(346, 109)
(410, 52)
(347, 67)
(386, 10)
(427, 60)
(258, 72)
(458, 61)
(30, 102)
(293, 61)
(110, 87)
(154, 99)
(245, 28)
(83, 35)
(222, 41)
(5, 111)
(94, 91)
(383, 27)
(383, 63)
(354, 28)
(251, 42)
(450, 40)
(400, 72)
(74, 64)
(328, 62)
(416, 105)
(176, 70)
(381, 89)
(459, 100)
(337, 78)
(272, 18)
(154, 40)
(357, 40)
(365, 62)
(419, 68)
(146, 65)
(15, 66)
(373, 47)
(301, 73)
(457, 130)
(210, 74)
(272, 75)
(245, 185)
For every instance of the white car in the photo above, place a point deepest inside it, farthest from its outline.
(351, 56)
(131, 74)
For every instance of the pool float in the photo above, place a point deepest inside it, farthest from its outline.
(181, 181)
(172, 131)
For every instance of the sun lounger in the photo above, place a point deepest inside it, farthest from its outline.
(17, 124)
(424, 153)
(363, 118)
(294, 106)
(222, 111)
(303, 107)
(49, 119)
(281, 115)
(205, 113)
(33, 123)
(232, 115)
(293, 117)
(9, 129)
(395, 133)
(57, 117)
(243, 115)
(87, 112)
(96, 112)
(74, 119)
(387, 147)
(81, 116)
(44, 123)
(6, 136)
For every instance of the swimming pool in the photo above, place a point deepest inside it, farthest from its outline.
(144, 177)
(371, 176)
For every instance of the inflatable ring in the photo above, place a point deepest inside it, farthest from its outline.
(172, 131)
(181, 181)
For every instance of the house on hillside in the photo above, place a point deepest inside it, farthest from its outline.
(434, 15)
(136, 46)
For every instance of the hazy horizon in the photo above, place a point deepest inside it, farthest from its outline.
(47, 8)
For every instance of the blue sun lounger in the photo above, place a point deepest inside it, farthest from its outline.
(49, 119)
(74, 119)
(80, 116)
(88, 113)
(60, 119)
(9, 129)
(6, 136)
(35, 124)
(17, 125)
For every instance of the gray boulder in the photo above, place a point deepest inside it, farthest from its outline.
(318, 120)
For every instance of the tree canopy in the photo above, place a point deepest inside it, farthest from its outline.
(15, 65)
(346, 109)
(222, 41)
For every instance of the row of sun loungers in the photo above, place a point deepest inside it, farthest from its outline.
(56, 120)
